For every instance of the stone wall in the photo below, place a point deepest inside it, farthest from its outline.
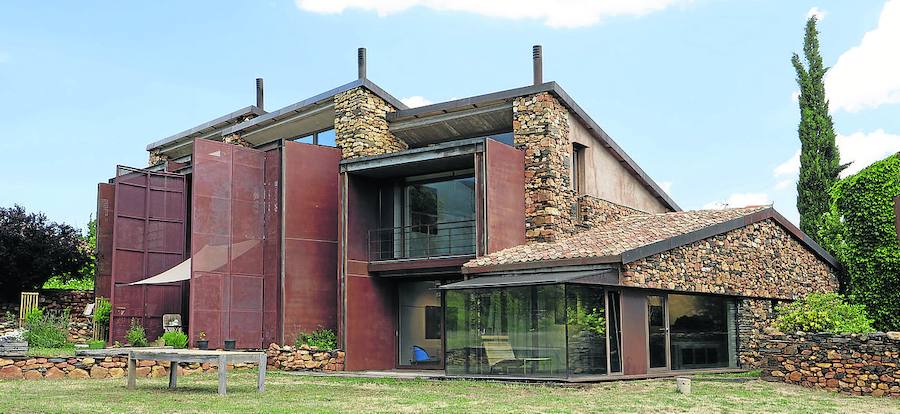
(96, 368)
(761, 260)
(360, 124)
(80, 326)
(593, 211)
(754, 317)
(541, 129)
(235, 139)
(304, 358)
(859, 364)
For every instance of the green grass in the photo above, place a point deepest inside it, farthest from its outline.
(306, 394)
(52, 352)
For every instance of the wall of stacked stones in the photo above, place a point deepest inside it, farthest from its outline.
(859, 364)
(360, 124)
(96, 368)
(53, 300)
(754, 318)
(593, 211)
(304, 358)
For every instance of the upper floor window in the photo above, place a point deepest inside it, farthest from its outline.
(325, 138)
(578, 161)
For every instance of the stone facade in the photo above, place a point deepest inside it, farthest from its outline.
(80, 326)
(304, 358)
(360, 124)
(235, 139)
(96, 368)
(761, 260)
(593, 211)
(859, 364)
(541, 129)
(754, 317)
(157, 158)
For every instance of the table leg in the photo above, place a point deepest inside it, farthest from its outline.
(223, 370)
(173, 374)
(131, 372)
(261, 382)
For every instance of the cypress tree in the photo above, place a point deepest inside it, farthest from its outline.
(820, 164)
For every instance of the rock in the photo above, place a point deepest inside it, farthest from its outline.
(893, 335)
(10, 372)
(5, 362)
(54, 373)
(32, 375)
(142, 371)
(78, 373)
(116, 372)
(98, 372)
(146, 363)
(158, 372)
(795, 376)
(88, 361)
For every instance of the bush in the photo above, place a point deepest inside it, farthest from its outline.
(135, 335)
(46, 330)
(176, 339)
(101, 313)
(320, 338)
(823, 312)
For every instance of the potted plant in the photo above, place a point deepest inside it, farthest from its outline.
(202, 342)
(229, 344)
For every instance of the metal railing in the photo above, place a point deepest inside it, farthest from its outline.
(422, 241)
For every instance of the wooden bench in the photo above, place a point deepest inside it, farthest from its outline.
(221, 358)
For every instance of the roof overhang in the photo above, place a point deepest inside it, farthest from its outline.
(589, 276)
(173, 144)
(447, 156)
(464, 123)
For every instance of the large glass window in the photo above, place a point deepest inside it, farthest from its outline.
(419, 322)
(702, 331)
(324, 138)
(440, 217)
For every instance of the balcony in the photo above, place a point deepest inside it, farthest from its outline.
(422, 241)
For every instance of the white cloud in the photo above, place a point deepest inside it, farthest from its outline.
(815, 11)
(789, 167)
(866, 75)
(666, 186)
(862, 149)
(739, 200)
(553, 13)
(782, 184)
(795, 96)
(415, 101)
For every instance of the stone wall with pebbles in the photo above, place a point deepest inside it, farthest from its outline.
(304, 358)
(360, 124)
(80, 327)
(95, 368)
(859, 364)
(593, 211)
(754, 318)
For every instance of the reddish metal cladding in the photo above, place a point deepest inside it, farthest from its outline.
(272, 250)
(310, 237)
(148, 238)
(634, 332)
(367, 307)
(504, 195)
(106, 200)
(227, 235)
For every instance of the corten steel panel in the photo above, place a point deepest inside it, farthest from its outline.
(310, 238)
(272, 249)
(105, 211)
(148, 223)
(504, 195)
(227, 244)
(634, 332)
(371, 326)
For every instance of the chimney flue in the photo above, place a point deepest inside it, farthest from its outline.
(361, 62)
(259, 94)
(537, 58)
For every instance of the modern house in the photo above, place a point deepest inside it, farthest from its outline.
(499, 235)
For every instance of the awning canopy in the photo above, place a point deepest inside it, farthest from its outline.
(180, 272)
(588, 277)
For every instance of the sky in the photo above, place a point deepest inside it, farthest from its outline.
(700, 93)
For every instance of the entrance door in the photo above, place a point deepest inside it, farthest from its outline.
(420, 325)
(658, 332)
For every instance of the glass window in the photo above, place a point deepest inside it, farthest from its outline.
(419, 322)
(586, 316)
(306, 139)
(440, 218)
(326, 138)
(702, 331)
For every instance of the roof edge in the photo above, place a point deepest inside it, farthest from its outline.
(474, 270)
(252, 109)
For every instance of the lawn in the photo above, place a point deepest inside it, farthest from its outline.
(292, 393)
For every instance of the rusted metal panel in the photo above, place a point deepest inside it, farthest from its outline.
(148, 223)
(106, 201)
(371, 323)
(272, 298)
(504, 199)
(634, 332)
(310, 237)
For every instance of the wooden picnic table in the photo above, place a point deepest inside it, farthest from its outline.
(221, 358)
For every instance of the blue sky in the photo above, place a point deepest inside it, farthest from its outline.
(698, 92)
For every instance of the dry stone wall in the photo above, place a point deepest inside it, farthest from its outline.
(593, 211)
(304, 358)
(53, 300)
(761, 260)
(754, 318)
(360, 124)
(96, 368)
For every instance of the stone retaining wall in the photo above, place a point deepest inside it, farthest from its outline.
(859, 364)
(305, 358)
(80, 327)
(95, 368)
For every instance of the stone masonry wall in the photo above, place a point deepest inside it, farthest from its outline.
(360, 124)
(761, 260)
(96, 368)
(541, 129)
(859, 364)
(593, 211)
(53, 300)
(754, 316)
(304, 358)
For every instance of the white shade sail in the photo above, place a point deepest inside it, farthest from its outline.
(180, 272)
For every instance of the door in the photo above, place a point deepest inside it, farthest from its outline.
(658, 332)
(420, 325)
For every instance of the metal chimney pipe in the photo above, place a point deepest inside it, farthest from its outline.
(259, 93)
(537, 58)
(361, 62)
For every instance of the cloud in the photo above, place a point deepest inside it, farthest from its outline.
(789, 167)
(553, 13)
(739, 200)
(415, 101)
(866, 75)
(795, 96)
(666, 186)
(815, 11)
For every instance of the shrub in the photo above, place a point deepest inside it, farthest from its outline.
(320, 338)
(101, 313)
(46, 330)
(176, 339)
(135, 335)
(823, 312)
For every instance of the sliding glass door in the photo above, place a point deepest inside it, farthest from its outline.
(691, 331)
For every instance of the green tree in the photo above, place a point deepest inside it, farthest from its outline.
(820, 163)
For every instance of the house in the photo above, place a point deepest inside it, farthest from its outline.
(500, 235)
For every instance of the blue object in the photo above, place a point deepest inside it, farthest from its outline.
(419, 354)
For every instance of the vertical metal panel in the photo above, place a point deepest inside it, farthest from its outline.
(311, 175)
(148, 230)
(272, 250)
(634, 332)
(106, 199)
(504, 177)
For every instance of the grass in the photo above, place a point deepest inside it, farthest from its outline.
(51, 352)
(307, 394)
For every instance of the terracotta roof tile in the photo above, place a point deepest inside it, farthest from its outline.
(615, 237)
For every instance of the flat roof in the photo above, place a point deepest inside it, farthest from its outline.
(207, 127)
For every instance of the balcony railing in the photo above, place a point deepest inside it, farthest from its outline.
(422, 241)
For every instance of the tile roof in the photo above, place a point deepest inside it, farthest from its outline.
(615, 237)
